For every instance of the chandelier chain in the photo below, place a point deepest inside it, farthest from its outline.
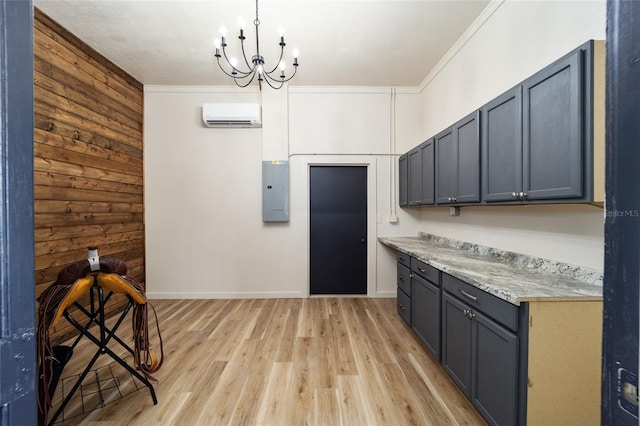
(257, 21)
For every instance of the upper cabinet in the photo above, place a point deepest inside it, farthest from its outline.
(415, 177)
(403, 177)
(552, 130)
(502, 147)
(466, 134)
(458, 162)
(427, 158)
(532, 138)
(541, 142)
(445, 170)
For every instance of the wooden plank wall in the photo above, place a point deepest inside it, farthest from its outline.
(88, 158)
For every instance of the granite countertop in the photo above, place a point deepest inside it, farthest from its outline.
(510, 276)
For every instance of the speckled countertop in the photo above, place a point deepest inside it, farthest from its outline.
(510, 276)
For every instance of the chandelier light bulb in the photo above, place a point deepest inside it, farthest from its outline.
(281, 32)
(295, 53)
(241, 23)
(281, 65)
(234, 62)
(223, 31)
(217, 43)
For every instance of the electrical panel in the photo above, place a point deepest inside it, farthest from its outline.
(275, 191)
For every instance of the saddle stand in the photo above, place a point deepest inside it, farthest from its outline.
(96, 316)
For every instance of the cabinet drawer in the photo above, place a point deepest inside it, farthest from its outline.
(404, 259)
(498, 309)
(404, 279)
(404, 307)
(425, 271)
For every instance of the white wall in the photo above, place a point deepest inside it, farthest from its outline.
(205, 235)
(510, 42)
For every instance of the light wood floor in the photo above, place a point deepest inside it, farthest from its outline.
(317, 361)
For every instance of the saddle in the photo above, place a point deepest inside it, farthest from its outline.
(71, 284)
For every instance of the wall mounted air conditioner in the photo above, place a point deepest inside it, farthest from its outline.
(231, 115)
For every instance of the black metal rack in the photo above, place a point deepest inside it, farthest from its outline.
(95, 316)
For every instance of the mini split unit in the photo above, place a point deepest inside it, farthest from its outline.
(231, 115)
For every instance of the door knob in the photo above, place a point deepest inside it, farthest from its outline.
(362, 240)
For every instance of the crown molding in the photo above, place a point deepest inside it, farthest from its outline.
(491, 8)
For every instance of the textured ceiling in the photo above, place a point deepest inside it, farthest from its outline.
(341, 43)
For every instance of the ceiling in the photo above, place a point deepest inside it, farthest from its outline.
(341, 42)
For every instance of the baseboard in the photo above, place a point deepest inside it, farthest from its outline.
(248, 295)
(227, 295)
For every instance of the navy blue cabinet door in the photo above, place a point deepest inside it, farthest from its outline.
(553, 130)
(467, 162)
(415, 177)
(456, 342)
(427, 157)
(495, 371)
(425, 308)
(446, 174)
(502, 147)
(403, 176)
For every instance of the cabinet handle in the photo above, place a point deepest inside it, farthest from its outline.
(467, 313)
(402, 307)
(422, 270)
(401, 278)
(514, 195)
(522, 195)
(468, 296)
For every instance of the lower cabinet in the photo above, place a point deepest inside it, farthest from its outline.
(482, 358)
(534, 364)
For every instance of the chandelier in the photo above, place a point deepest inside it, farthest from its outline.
(255, 66)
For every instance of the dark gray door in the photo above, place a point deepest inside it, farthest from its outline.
(502, 147)
(552, 130)
(622, 219)
(17, 287)
(338, 222)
